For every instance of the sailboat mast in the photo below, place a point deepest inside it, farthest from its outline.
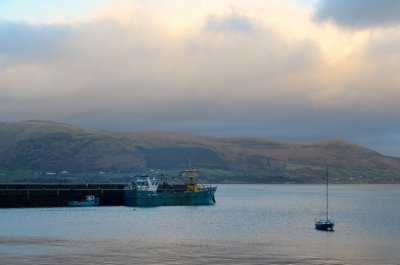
(327, 194)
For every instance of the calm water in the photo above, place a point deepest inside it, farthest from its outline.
(250, 224)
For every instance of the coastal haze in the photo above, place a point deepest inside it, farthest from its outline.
(286, 70)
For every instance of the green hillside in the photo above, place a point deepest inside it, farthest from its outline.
(40, 151)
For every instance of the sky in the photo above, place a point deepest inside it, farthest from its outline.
(292, 70)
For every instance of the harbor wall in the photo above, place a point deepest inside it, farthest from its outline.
(58, 195)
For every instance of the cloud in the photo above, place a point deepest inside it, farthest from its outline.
(359, 14)
(231, 23)
(226, 70)
(25, 42)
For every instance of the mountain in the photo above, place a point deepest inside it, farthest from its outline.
(40, 146)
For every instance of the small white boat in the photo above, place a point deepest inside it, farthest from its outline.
(90, 200)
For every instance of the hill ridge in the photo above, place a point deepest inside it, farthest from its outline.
(42, 145)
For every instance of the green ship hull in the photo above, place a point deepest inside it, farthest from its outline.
(146, 191)
(169, 198)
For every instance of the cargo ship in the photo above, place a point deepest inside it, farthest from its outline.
(147, 191)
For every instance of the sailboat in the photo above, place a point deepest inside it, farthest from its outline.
(325, 224)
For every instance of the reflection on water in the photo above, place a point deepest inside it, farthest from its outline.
(250, 224)
(114, 252)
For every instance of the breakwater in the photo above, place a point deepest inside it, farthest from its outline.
(58, 195)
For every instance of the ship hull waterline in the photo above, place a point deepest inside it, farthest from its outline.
(324, 225)
(83, 203)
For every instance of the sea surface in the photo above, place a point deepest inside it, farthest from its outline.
(249, 224)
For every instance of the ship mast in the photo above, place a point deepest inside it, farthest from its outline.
(191, 175)
(327, 194)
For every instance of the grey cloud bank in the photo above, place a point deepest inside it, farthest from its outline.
(360, 13)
